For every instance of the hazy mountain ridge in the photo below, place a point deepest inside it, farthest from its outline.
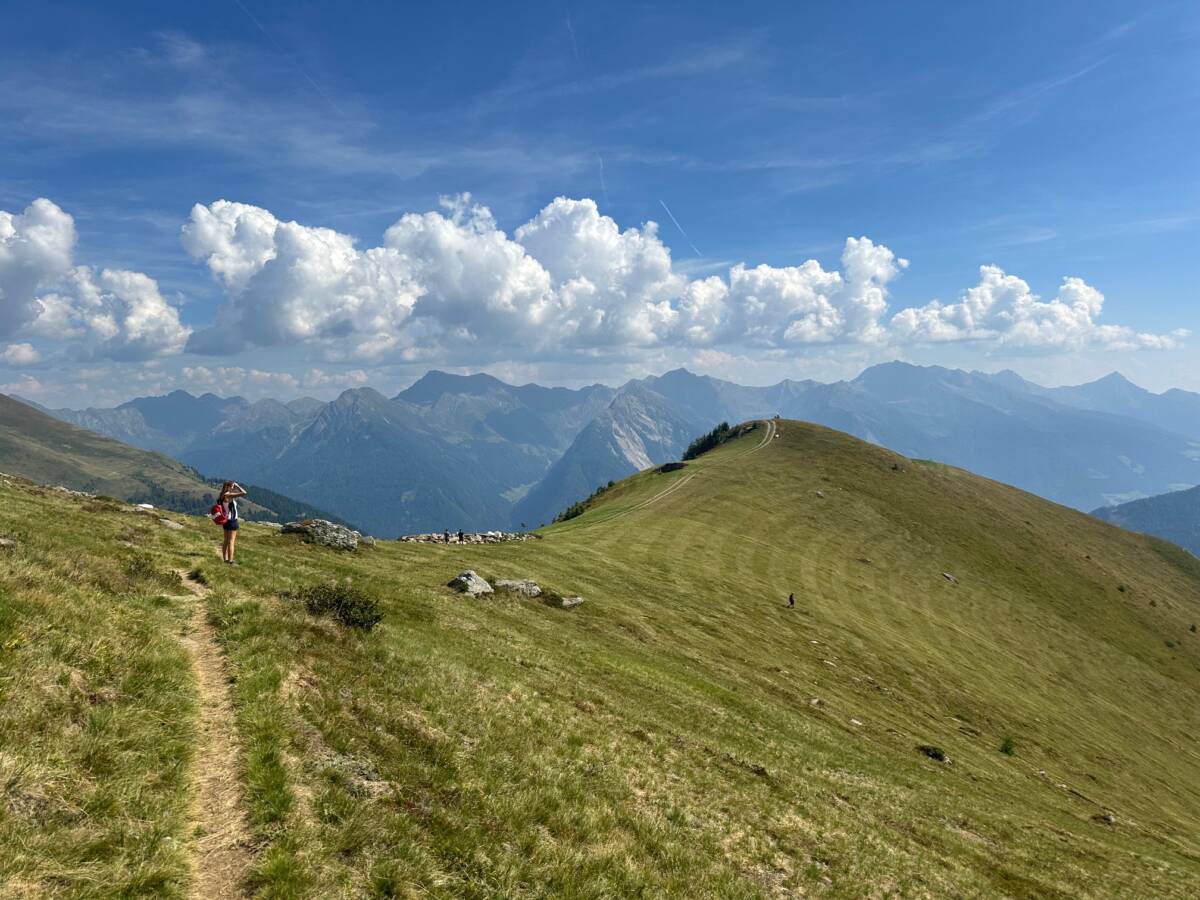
(639, 429)
(531, 450)
(47, 450)
(1174, 516)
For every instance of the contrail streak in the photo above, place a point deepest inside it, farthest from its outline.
(603, 186)
(699, 255)
(571, 29)
(316, 87)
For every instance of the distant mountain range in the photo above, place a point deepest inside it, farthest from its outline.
(474, 452)
(49, 451)
(1174, 516)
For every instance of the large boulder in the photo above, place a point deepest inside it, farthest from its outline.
(470, 583)
(521, 586)
(321, 531)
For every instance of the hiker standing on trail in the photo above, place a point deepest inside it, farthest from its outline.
(460, 536)
(230, 491)
(791, 601)
(446, 535)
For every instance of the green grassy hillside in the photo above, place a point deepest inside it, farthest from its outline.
(680, 733)
(39, 447)
(46, 450)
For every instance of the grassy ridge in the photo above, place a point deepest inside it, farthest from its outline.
(682, 732)
(39, 447)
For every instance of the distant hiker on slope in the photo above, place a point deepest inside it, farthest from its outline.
(230, 491)
(791, 601)
(460, 537)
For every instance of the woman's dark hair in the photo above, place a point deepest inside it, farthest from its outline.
(225, 488)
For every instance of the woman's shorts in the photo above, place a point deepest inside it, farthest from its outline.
(231, 525)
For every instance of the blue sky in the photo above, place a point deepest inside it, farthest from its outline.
(1049, 141)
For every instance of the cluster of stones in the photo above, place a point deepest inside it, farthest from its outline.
(470, 537)
(470, 582)
(327, 534)
(66, 490)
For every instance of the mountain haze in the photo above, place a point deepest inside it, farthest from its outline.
(535, 450)
(47, 450)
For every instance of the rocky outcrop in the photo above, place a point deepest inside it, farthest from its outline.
(570, 602)
(469, 582)
(327, 534)
(471, 537)
(520, 586)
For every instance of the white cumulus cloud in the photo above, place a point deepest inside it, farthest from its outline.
(1002, 310)
(20, 355)
(35, 247)
(106, 313)
(568, 280)
(451, 287)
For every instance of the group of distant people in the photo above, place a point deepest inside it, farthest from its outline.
(461, 537)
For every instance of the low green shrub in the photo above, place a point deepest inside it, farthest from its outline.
(1008, 746)
(344, 602)
(933, 752)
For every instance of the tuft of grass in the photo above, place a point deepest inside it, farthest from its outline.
(933, 752)
(1008, 746)
(144, 570)
(197, 575)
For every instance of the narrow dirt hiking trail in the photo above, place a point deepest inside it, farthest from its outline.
(221, 858)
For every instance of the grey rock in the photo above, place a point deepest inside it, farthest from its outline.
(570, 602)
(950, 578)
(469, 582)
(325, 533)
(171, 523)
(7, 542)
(521, 586)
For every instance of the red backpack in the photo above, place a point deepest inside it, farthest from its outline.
(218, 514)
